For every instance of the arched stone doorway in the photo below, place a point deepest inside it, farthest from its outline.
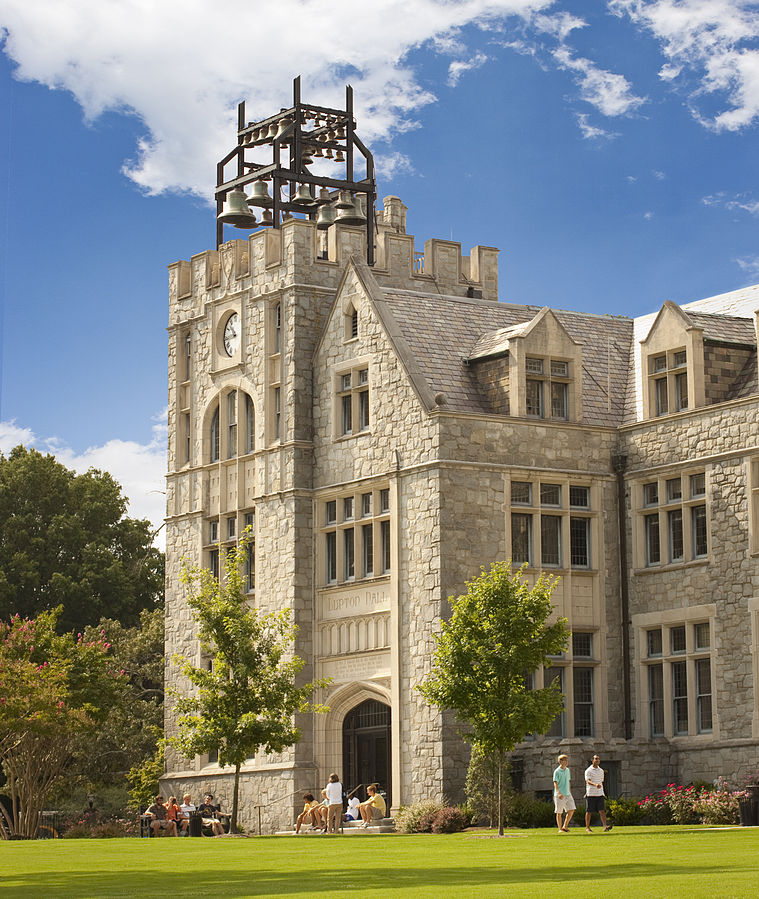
(366, 747)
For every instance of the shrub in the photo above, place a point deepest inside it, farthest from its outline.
(449, 820)
(418, 818)
(717, 807)
(674, 804)
(524, 810)
(91, 827)
(625, 812)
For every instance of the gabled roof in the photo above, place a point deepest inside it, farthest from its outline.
(442, 333)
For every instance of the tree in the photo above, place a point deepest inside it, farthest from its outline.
(483, 781)
(132, 727)
(52, 692)
(497, 635)
(65, 541)
(249, 698)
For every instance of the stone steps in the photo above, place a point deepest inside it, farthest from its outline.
(350, 828)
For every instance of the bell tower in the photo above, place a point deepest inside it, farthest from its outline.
(280, 151)
(244, 320)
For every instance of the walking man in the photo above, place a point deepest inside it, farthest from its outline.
(563, 803)
(594, 794)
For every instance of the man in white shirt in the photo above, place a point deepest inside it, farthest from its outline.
(594, 794)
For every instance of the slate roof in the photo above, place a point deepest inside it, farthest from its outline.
(747, 382)
(443, 332)
(439, 337)
(495, 342)
(725, 328)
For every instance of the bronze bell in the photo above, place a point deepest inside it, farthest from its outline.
(272, 130)
(266, 219)
(352, 216)
(303, 197)
(236, 211)
(344, 200)
(326, 217)
(260, 195)
(284, 125)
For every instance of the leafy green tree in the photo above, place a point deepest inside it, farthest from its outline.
(65, 541)
(144, 779)
(497, 635)
(249, 698)
(132, 727)
(53, 690)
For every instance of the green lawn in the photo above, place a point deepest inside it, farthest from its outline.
(627, 862)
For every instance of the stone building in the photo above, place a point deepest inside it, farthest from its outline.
(388, 430)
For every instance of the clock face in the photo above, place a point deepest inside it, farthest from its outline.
(232, 334)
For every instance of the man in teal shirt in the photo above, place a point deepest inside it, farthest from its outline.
(562, 795)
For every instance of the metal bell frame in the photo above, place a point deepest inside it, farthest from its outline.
(302, 131)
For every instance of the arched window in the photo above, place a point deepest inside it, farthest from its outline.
(214, 436)
(231, 424)
(250, 425)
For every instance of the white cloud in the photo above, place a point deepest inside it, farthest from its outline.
(457, 68)
(181, 67)
(648, 216)
(592, 132)
(391, 164)
(11, 435)
(138, 468)
(669, 73)
(609, 92)
(750, 265)
(711, 47)
(660, 176)
(739, 201)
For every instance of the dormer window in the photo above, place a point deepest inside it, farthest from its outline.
(668, 381)
(546, 380)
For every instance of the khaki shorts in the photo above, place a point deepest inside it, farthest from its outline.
(565, 804)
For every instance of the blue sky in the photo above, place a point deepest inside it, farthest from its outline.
(608, 149)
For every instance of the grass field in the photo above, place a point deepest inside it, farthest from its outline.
(627, 862)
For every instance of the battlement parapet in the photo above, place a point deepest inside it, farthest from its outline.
(298, 252)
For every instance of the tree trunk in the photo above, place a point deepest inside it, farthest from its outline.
(500, 792)
(235, 795)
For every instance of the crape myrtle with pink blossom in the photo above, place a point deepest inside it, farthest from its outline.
(55, 691)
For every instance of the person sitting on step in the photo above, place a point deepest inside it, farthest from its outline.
(310, 814)
(374, 808)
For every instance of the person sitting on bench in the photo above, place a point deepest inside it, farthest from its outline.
(209, 813)
(159, 816)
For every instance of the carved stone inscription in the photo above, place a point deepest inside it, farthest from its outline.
(365, 667)
(353, 602)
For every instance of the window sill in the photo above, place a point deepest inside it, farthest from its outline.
(352, 436)
(672, 566)
(553, 569)
(358, 582)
